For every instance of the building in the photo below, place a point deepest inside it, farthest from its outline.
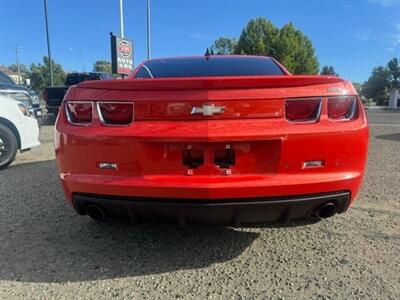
(13, 75)
(394, 98)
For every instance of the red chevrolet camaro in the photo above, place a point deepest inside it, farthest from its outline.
(217, 139)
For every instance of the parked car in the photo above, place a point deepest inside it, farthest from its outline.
(23, 96)
(219, 139)
(34, 96)
(20, 93)
(54, 95)
(18, 130)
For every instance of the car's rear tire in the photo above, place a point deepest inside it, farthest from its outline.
(8, 146)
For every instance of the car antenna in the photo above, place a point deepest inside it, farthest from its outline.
(207, 54)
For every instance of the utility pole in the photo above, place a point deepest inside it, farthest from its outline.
(17, 58)
(48, 44)
(148, 31)
(121, 16)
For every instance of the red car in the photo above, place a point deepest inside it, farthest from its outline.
(219, 139)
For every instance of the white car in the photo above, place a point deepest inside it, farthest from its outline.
(18, 130)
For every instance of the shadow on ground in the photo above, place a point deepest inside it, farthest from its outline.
(48, 119)
(42, 240)
(389, 137)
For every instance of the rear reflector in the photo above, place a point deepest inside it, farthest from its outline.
(115, 113)
(79, 113)
(341, 108)
(303, 110)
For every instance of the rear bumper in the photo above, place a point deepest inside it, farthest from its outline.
(211, 187)
(226, 211)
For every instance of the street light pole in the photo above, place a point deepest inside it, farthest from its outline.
(48, 45)
(148, 31)
(121, 16)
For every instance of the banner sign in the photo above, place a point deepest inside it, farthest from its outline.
(121, 55)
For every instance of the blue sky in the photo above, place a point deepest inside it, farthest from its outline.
(352, 35)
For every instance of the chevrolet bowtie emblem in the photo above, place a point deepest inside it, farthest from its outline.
(208, 110)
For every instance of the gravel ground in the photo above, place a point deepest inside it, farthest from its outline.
(46, 251)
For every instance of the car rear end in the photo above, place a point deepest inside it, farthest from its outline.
(221, 149)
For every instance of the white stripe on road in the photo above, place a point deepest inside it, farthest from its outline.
(390, 125)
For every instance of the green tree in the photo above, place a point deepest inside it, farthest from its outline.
(394, 68)
(381, 81)
(295, 51)
(102, 66)
(39, 75)
(328, 70)
(358, 87)
(288, 45)
(224, 46)
(23, 68)
(258, 38)
(376, 87)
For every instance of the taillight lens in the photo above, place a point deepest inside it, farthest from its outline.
(79, 113)
(303, 110)
(115, 113)
(341, 108)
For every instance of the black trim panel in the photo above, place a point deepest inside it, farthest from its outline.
(218, 211)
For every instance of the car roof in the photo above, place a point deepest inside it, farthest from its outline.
(214, 56)
(198, 58)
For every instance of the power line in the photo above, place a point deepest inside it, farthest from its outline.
(8, 50)
(6, 61)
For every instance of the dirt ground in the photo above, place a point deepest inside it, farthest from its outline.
(47, 251)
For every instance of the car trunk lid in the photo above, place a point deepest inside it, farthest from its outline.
(209, 98)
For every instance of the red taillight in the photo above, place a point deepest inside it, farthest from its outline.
(115, 113)
(79, 113)
(341, 108)
(303, 110)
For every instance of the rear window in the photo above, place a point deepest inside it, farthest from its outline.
(93, 77)
(5, 79)
(75, 79)
(212, 66)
